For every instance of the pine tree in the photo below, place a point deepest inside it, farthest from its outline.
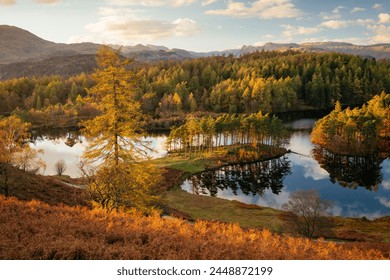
(123, 177)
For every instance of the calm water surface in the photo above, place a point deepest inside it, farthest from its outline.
(69, 146)
(357, 187)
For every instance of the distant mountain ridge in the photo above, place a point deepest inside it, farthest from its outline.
(25, 54)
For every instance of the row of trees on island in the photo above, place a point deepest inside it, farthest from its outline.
(356, 131)
(208, 133)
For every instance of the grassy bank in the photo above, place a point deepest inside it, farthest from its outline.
(222, 210)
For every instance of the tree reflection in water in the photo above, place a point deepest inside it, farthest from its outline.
(351, 171)
(253, 178)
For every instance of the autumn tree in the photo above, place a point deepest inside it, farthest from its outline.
(308, 209)
(60, 167)
(14, 149)
(28, 160)
(123, 176)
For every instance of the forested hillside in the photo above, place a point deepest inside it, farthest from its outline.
(262, 81)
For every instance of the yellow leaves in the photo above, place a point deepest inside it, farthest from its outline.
(70, 231)
(14, 148)
(355, 131)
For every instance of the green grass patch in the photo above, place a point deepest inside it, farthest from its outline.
(188, 165)
(217, 209)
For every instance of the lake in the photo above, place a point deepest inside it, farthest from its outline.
(356, 186)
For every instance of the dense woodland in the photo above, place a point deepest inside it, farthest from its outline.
(262, 81)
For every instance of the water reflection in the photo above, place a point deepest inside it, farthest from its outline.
(69, 146)
(250, 179)
(351, 171)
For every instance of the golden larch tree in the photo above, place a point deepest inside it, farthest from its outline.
(123, 175)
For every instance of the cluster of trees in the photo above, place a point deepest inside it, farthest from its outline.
(41, 92)
(207, 132)
(47, 101)
(356, 131)
(263, 81)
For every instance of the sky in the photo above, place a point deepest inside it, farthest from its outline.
(201, 25)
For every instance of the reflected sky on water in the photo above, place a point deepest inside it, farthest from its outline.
(57, 149)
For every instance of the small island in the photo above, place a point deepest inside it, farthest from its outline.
(212, 142)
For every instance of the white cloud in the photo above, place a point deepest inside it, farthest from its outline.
(291, 31)
(151, 3)
(384, 201)
(269, 36)
(336, 210)
(185, 27)
(335, 14)
(208, 2)
(338, 9)
(7, 2)
(337, 24)
(264, 9)
(381, 33)
(384, 18)
(377, 6)
(386, 185)
(122, 26)
(357, 9)
(329, 16)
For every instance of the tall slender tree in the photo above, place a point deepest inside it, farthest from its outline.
(123, 176)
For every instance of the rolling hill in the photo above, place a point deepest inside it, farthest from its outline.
(25, 54)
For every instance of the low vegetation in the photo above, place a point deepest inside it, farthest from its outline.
(28, 186)
(62, 232)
